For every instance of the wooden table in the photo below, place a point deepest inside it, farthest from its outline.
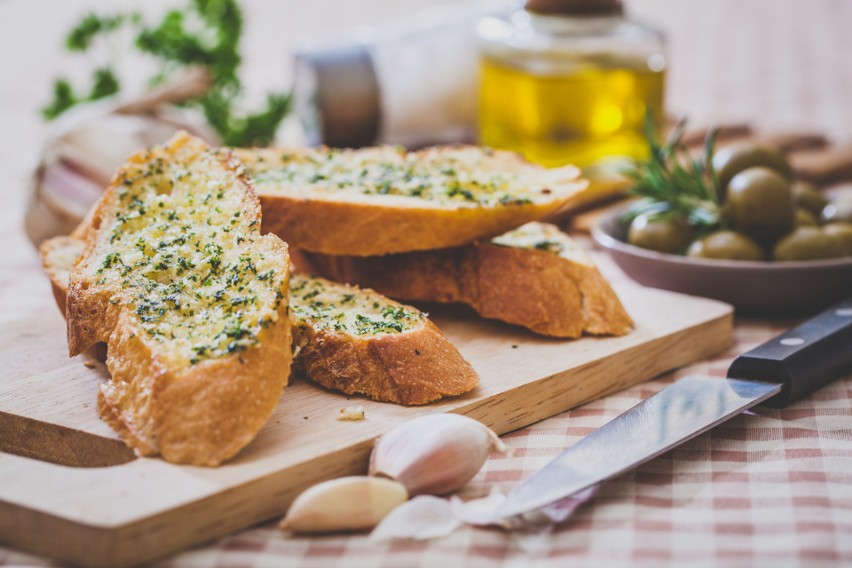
(770, 487)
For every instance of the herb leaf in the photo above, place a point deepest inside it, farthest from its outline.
(251, 129)
(204, 33)
(106, 84)
(673, 183)
(81, 37)
(63, 99)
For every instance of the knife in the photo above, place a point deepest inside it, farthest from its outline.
(782, 370)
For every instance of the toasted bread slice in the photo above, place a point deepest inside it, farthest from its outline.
(360, 342)
(347, 339)
(534, 276)
(384, 200)
(191, 301)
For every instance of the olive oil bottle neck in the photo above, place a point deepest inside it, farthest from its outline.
(575, 8)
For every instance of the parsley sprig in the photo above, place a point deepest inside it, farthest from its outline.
(674, 183)
(204, 33)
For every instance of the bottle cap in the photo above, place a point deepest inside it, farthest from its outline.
(336, 92)
(575, 7)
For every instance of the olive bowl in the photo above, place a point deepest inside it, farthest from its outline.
(768, 288)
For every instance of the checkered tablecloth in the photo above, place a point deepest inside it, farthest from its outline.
(766, 488)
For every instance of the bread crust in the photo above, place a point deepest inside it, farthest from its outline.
(411, 368)
(368, 229)
(200, 414)
(58, 255)
(319, 219)
(544, 292)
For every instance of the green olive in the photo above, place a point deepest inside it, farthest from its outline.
(808, 243)
(726, 245)
(804, 217)
(669, 234)
(839, 211)
(843, 232)
(809, 197)
(760, 203)
(733, 159)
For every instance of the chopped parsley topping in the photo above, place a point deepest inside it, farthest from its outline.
(190, 283)
(338, 307)
(463, 176)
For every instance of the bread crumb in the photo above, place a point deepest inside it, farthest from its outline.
(89, 364)
(353, 413)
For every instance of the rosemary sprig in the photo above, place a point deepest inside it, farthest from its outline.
(673, 183)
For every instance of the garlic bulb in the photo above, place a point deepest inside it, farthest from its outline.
(344, 504)
(434, 454)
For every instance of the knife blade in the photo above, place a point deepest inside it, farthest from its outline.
(779, 372)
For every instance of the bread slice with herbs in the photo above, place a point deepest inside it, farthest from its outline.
(382, 200)
(535, 276)
(360, 342)
(347, 339)
(191, 300)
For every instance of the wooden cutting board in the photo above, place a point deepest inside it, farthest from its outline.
(122, 510)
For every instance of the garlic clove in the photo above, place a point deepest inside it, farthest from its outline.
(434, 454)
(345, 504)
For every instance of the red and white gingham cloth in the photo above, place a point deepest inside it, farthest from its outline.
(768, 488)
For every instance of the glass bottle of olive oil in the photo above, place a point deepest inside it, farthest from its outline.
(569, 81)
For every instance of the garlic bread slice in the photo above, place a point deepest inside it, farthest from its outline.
(381, 200)
(360, 342)
(191, 300)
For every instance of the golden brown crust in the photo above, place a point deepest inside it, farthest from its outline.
(201, 414)
(58, 255)
(544, 292)
(364, 229)
(410, 368)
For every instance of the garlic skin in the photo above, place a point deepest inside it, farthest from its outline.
(434, 454)
(344, 504)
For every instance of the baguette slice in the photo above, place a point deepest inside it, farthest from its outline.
(534, 276)
(360, 342)
(405, 360)
(382, 200)
(191, 301)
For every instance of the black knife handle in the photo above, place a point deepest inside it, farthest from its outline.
(803, 359)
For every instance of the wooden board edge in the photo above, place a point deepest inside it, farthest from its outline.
(690, 345)
(152, 538)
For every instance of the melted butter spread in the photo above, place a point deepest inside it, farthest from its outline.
(543, 237)
(464, 176)
(347, 309)
(178, 248)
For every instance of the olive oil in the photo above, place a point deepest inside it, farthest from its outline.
(579, 116)
(569, 81)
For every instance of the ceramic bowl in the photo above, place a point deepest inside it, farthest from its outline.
(773, 288)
